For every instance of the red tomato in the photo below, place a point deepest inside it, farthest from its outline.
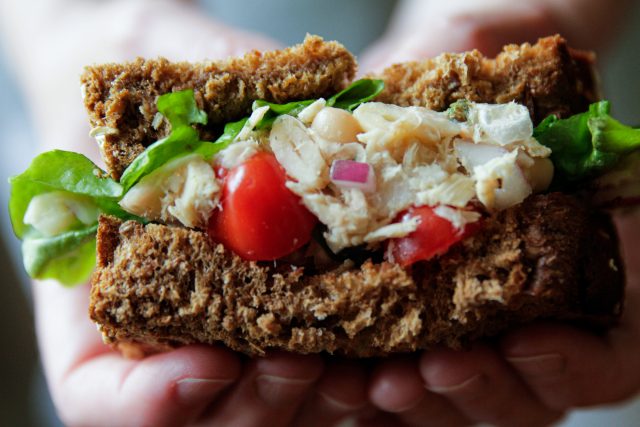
(260, 219)
(433, 236)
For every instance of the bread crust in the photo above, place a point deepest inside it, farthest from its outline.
(552, 257)
(547, 77)
(123, 97)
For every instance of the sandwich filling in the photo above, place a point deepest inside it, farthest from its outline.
(318, 178)
(357, 172)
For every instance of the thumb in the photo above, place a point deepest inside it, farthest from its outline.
(166, 389)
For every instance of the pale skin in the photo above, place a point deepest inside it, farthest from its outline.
(532, 375)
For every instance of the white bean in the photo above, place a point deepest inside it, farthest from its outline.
(336, 125)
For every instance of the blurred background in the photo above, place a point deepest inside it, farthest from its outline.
(23, 397)
(20, 376)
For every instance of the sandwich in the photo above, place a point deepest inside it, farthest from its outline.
(271, 202)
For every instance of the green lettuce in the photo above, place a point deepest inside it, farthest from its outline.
(180, 108)
(181, 141)
(231, 130)
(588, 144)
(64, 171)
(360, 91)
(70, 255)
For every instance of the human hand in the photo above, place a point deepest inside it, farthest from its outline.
(423, 29)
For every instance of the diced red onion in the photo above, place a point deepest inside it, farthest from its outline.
(352, 174)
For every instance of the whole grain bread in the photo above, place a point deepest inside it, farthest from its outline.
(548, 77)
(551, 257)
(122, 97)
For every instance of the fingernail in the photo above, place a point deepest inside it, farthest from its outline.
(339, 405)
(277, 391)
(471, 385)
(191, 390)
(540, 365)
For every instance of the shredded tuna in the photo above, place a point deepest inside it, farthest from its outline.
(419, 157)
(184, 190)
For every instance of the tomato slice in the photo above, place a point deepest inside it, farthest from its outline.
(260, 218)
(434, 236)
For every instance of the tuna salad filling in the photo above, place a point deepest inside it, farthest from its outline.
(355, 172)
(331, 179)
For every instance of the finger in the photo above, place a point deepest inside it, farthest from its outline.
(340, 393)
(377, 56)
(269, 393)
(629, 233)
(483, 387)
(162, 390)
(562, 364)
(397, 387)
(566, 367)
(198, 37)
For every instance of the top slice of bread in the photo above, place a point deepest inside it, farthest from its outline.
(548, 77)
(123, 96)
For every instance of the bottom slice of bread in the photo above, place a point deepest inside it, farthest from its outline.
(551, 257)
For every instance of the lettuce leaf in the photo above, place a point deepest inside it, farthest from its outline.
(66, 171)
(181, 141)
(588, 144)
(360, 91)
(275, 110)
(231, 130)
(69, 256)
(180, 108)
